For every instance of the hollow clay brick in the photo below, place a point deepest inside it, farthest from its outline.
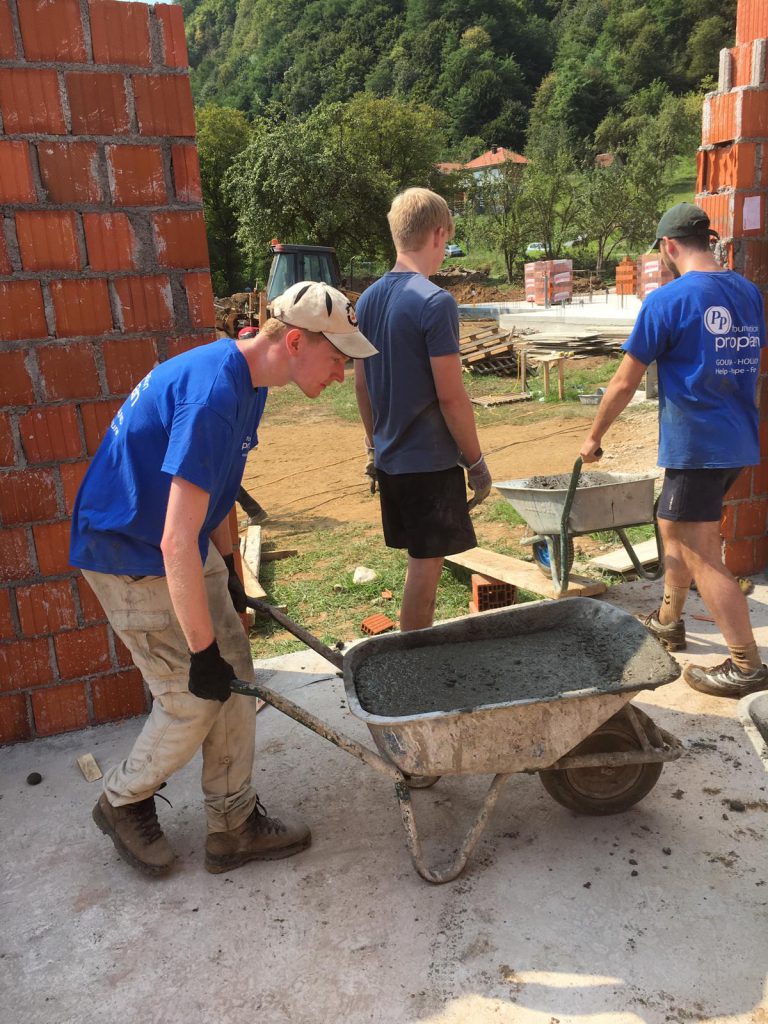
(50, 434)
(52, 31)
(97, 417)
(186, 173)
(25, 663)
(68, 371)
(120, 33)
(48, 239)
(60, 709)
(15, 382)
(752, 518)
(136, 175)
(46, 607)
(22, 314)
(740, 556)
(5, 261)
(16, 183)
(164, 104)
(7, 41)
(98, 103)
(69, 171)
(83, 652)
(174, 42)
(7, 450)
(121, 695)
(27, 496)
(14, 721)
(7, 627)
(30, 101)
(51, 542)
(81, 307)
(110, 241)
(751, 21)
(89, 603)
(15, 561)
(127, 361)
(200, 299)
(145, 303)
(71, 474)
(180, 239)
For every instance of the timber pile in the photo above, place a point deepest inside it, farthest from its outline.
(490, 350)
(580, 345)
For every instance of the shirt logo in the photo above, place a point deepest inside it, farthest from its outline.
(718, 320)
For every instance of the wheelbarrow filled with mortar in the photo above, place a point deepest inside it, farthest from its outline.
(559, 508)
(542, 688)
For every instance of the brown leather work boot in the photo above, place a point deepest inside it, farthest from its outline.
(136, 833)
(258, 838)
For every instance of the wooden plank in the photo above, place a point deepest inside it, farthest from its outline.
(250, 549)
(490, 400)
(275, 555)
(522, 574)
(88, 766)
(618, 560)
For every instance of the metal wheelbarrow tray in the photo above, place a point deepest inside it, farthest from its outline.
(548, 692)
(560, 507)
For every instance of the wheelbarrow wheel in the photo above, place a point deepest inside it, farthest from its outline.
(541, 557)
(608, 790)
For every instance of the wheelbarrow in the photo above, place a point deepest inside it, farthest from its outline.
(559, 508)
(539, 688)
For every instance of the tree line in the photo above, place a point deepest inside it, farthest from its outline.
(312, 114)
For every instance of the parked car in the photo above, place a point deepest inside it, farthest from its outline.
(452, 249)
(535, 249)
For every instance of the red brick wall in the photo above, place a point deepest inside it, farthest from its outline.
(732, 171)
(103, 271)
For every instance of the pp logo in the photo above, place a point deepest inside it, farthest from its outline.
(718, 320)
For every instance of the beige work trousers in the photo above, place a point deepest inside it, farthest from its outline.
(141, 613)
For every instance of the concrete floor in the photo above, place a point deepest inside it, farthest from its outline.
(656, 915)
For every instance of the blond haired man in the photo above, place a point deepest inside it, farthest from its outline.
(418, 418)
(150, 533)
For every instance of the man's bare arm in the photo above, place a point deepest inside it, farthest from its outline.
(364, 402)
(455, 405)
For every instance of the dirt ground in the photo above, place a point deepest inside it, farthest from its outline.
(308, 474)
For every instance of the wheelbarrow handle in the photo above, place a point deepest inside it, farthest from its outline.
(298, 631)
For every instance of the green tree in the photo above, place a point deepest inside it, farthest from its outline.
(328, 178)
(506, 223)
(222, 134)
(552, 190)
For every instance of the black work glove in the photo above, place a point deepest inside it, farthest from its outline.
(370, 469)
(209, 674)
(235, 585)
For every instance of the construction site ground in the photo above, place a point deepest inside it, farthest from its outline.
(654, 916)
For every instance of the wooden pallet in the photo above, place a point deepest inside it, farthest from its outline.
(522, 574)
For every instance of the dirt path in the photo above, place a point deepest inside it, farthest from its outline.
(309, 474)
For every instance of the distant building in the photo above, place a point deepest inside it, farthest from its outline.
(482, 167)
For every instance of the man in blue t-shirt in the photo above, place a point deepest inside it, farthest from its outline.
(419, 424)
(705, 331)
(150, 532)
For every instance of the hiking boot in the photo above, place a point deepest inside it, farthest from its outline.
(136, 833)
(258, 838)
(672, 636)
(726, 680)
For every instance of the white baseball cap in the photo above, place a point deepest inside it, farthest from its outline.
(323, 310)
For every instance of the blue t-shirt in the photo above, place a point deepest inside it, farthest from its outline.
(194, 416)
(705, 330)
(409, 320)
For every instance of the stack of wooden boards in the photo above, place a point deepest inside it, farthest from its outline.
(489, 350)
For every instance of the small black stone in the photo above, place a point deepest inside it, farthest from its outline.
(667, 850)
(736, 805)
(634, 874)
(34, 779)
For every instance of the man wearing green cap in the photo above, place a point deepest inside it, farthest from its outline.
(705, 331)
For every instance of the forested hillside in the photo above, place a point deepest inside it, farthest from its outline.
(486, 65)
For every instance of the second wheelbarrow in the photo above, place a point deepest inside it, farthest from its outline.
(558, 508)
(538, 688)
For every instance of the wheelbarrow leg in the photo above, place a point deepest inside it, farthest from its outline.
(454, 869)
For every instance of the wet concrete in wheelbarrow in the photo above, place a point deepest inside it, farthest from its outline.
(531, 666)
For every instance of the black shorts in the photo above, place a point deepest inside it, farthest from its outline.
(426, 513)
(695, 495)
